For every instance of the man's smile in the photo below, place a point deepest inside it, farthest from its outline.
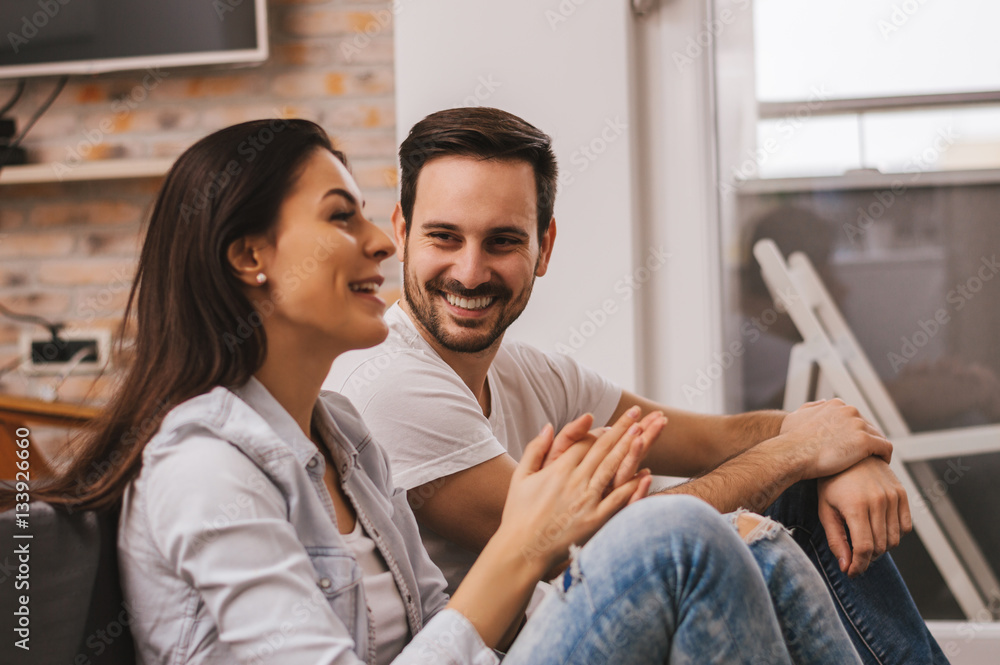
(472, 304)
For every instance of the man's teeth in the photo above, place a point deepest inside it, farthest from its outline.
(469, 303)
(366, 287)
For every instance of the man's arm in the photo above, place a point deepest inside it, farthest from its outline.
(693, 443)
(466, 507)
(734, 468)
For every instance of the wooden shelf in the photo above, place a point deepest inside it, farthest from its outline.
(110, 169)
(31, 410)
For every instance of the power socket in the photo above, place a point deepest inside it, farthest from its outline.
(45, 356)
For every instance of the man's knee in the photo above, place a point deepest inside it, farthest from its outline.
(753, 527)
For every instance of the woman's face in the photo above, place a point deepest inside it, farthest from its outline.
(322, 264)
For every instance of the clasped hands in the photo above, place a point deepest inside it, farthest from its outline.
(858, 492)
(568, 485)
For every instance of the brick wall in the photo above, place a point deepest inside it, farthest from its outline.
(68, 249)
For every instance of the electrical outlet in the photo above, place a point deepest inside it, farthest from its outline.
(44, 356)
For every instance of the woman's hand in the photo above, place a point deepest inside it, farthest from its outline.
(559, 494)
(579, 431)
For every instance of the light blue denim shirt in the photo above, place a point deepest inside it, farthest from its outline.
(230, 553)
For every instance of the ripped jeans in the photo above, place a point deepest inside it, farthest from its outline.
(876, 608)
(669, 580)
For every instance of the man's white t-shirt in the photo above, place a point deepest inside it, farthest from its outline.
(431, 424)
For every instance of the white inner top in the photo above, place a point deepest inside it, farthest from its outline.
(387, 609)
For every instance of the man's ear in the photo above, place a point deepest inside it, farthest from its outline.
(399, 230)
(245, 259)
(545, 249)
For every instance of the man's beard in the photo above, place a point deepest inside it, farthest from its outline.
(429, 316)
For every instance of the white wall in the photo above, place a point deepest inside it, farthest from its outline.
(570, 79)
(577, 69)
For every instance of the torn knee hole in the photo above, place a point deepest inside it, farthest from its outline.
(753, 527)
(746, 523)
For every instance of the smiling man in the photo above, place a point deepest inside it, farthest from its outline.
(455, 404)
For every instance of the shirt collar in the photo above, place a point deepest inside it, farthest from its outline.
(284, 426)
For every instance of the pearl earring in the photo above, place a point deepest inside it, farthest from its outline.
(261, 278)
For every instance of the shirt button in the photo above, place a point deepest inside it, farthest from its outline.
(312, 463)
(325, 583)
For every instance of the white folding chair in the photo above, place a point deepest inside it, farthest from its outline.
(829, 362)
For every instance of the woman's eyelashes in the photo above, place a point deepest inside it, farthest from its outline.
(342, 215)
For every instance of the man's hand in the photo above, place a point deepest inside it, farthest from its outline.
(832, 436)
(869, 500)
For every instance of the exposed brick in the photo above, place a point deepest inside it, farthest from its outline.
(11, 276)
(9, 333)
(224, 116)
(379, 205)
(314, 22)
(8, 355)
(359, 49)
(368, 115)
(94, 271)
(54, 125)
(86, 212)
(101, 303)
(10, 219)
(81, 148)
(110, 244)
(341, 77)
(91, 92)
(304, 53)
(171, 147)
(24, 245)
(177, 117)
(209, 86)
(39, 303)
(359, 145)
(336, 83)
(373, 175)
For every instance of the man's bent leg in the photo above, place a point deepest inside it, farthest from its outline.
(666, 580)
(809, 623)
(876, 608)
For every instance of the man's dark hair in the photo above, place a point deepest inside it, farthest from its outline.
(483, 133)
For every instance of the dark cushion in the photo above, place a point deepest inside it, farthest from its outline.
(76, 613)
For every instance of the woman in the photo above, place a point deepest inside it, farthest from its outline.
(259, 522)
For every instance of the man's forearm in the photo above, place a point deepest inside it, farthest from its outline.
(752, 479)
(694, 443)
(743, 431)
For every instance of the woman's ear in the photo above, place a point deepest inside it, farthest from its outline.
(245, 258)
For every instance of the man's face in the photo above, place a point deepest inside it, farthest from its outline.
(472, 253)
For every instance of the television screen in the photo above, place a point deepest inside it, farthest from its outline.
(46, 37)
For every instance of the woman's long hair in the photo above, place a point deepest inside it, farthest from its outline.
(194, 328)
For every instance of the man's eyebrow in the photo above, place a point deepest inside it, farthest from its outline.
(511, 230)
(499, 230)
(336, 191)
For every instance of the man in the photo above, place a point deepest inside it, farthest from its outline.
(454, 404)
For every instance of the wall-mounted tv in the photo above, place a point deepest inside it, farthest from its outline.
(49, 37)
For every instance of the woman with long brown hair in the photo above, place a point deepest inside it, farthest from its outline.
(259, 522)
